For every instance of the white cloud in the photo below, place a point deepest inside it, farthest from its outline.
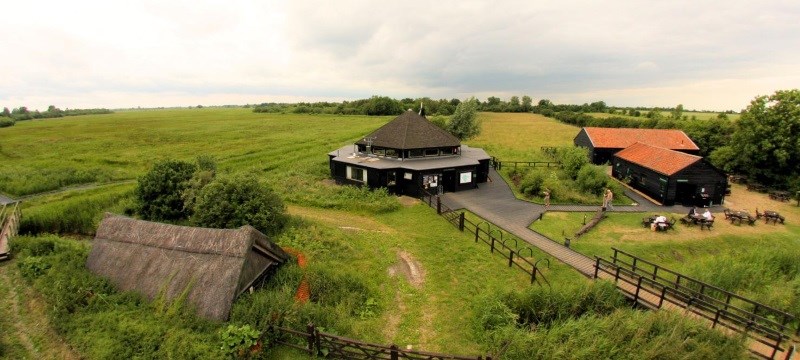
(157, 53)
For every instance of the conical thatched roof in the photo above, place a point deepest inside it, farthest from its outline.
(215, 265)
(411, 131)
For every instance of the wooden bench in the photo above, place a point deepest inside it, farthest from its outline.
(706, 223)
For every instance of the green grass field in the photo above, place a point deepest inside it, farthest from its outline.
(699, 115)
(357, 233)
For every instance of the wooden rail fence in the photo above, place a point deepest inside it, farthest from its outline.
(9, 226)
(518, 256)
(654, 286)
(317, 343)
(497, 164)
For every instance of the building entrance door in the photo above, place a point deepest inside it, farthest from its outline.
(685, 193)
(449, 180)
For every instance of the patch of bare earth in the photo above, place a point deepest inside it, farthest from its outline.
(409, 268)
(341, 219)
(411, 271)
(408, 201)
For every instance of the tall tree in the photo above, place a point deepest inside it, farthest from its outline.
(677, 112)
(464, 123)
(527, 103)
(766, 142)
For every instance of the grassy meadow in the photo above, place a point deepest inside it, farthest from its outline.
(465, 300)
(699, 115)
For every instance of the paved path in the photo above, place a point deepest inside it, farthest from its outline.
(495, 202)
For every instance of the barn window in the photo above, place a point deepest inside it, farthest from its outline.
(391, 153)
(379, 151)
(431, 152)
(356, 174)
(643, 180)
(415, 153)
(391, 178)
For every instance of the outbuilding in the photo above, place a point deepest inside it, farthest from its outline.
(407, 154)
(603, 143)
(210, 267)
(669, 176)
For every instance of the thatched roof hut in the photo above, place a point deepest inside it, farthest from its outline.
(213, 265)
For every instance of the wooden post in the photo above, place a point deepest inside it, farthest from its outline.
(661, 298)
(511, 258)
(438, 205)
(615, 257)
(634, 264)
(638, 287)
(312, 338)
(492, 237)
(533, 275)
(461, 222)
(716, 319)
(393, 352)
(655, 271)
(476, 233)
(596, 267)
(616, 275)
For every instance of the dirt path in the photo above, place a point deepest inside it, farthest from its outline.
(25, 312)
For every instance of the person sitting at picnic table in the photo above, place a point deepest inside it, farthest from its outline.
(659, 223)
(707, 215)
(692, 212)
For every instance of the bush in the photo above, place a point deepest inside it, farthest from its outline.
(592, 179)
(6, 122)
(572, 160)
(231, 202)
(531, 183)
(159, 191)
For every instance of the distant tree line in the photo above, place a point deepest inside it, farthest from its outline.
(10, 117)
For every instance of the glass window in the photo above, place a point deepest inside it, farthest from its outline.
(415, 153)
(431, 152)
(379, 151)
(391, 178)
(391, 153)
(357, 174)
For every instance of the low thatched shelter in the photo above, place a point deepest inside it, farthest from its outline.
(213, 266)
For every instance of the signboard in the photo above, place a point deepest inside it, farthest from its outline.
(465, 177)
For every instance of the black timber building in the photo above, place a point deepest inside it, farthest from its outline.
(670, 177)
(603, 143)
(407, 154)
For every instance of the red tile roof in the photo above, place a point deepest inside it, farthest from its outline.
(621, 138)
(658, 159)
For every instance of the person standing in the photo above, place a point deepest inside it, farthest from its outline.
(546, 198)
(608, 197)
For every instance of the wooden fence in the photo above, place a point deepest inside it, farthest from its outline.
(9, 226)
(509, 248)
(652, 286)
(497, 164)
(317, 343)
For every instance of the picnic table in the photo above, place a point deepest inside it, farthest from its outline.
(770, 215)
(779, 195)
(697, 219)
(661, 226)
(739, 216)
(756, 187)
(739, 179)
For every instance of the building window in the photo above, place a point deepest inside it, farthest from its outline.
(356, 174)
(391, 153)
(643, 180)
(465, 177)
(408, 176)
(431, 152)
(379, 151)
(391, 178)
(415, 153)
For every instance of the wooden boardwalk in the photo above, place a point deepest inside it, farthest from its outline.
(496, 203)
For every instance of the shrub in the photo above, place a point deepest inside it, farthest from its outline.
(159, 191)
(231, 202)
(531, 183)
(6, 122)
(592, 179)
(237, 341)
(573, 159)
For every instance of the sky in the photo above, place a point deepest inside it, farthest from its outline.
(706, 55)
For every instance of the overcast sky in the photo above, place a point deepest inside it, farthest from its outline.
(715, 55)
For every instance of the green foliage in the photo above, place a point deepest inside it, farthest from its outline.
(537, 307)
(491, 313)
(464, 123)
(572, 159)
(159, 191)
(234, 201)
(26, 181)
(592, 179)
(440, 121)
(98, 321)
(767, 138)
(382, 105)
(353, 198)
(77, 212)
(7, 122)
(532, 183)
(237, 341)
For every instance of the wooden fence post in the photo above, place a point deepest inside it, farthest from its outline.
(438, 205)
(596, 267)
(661, 298)
(461, 222)
(393, 352)
(511, 258)
(638, 287)
(476, 233)
(492, 250)
(716, 319)
(312, 338)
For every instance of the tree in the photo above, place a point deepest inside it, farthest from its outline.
(234, 201)
(382, 105)
(464, 124)
(513, 104)
(767, 138)
(159, 192)
(6, 112)
(677, 113)
(526, 103)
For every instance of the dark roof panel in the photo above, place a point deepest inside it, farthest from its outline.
(411, 131)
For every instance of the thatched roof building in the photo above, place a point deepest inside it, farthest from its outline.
(214, 265)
